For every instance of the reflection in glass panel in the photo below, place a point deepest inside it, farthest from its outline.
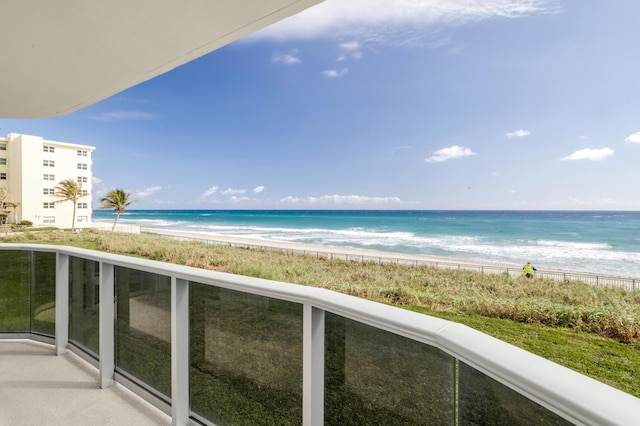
(484, 401)
(373, 377)
(246, 357)
(43, 293)
(84, 308)
(143, 327)
(15, 267)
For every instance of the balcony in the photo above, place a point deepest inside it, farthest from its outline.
(41, 388)
(212, 348)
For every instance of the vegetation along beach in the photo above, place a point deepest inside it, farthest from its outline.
(592, 330)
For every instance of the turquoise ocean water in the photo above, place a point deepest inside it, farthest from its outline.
(589, 241)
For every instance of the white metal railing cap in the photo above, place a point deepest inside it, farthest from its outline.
(403, 322)
(560, 389)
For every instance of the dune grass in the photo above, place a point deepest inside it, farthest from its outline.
(595, 331)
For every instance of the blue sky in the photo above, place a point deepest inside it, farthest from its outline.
(385, 104)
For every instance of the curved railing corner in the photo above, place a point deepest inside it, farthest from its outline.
(228, 349)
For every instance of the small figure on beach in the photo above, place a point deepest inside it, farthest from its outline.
(528, 269)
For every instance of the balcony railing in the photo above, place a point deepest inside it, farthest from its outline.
(226, 349)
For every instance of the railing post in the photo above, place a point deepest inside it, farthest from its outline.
(313, 366)
(62, 303)
(179, 351)
(107, 322)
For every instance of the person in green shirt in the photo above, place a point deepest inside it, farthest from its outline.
(528, 269)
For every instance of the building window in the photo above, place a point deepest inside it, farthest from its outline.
(84, 192)
(82, 166)
(83, 219)
(3, 161)
(82, 179)
(48, 219)
(49, 191)
(3, 176)
(49, 205)
(3, 147)
(48, 163)
(48, 148)
(82, 206)
(48, 177)
(82, 153)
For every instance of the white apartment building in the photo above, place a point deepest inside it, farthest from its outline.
(30, 169)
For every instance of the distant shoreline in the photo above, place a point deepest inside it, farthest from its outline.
(343, 251)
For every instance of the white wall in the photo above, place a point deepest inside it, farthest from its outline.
(28, 163)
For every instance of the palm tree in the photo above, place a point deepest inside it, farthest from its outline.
(117, 199)
(69, 190)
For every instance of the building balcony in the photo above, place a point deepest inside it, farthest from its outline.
(38, 388)
(210, 348)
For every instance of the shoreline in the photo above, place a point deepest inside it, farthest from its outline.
(342, 251)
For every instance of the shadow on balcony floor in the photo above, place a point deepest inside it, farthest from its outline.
(37, 388)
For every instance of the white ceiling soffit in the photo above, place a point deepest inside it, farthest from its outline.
(57, 57)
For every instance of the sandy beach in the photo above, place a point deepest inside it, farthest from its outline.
(342, 252)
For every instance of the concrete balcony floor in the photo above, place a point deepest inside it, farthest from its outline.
(39, 388)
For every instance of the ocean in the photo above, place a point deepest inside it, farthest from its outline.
(605, 242)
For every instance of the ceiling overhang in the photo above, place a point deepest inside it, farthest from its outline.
(57, 57)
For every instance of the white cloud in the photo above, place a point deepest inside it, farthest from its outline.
(350, 45)
(590, 154)
(583, 137)
(574, 200)
(350, 49)
(98, 189)
(231, 191)
(258, 189)
(634, 138)
(396, 21)
(336, 73)
(340, 199)
(287, 59)
(122, 115)
(209, 192)
(148, 191)
(449, 153)
(235, 199)
(517, 134)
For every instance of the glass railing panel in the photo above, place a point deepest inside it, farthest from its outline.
(84, 307)
(43, 293)
(373, 377)
(483, 401)
(143, 328)
(15, 267)
(245, 357)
